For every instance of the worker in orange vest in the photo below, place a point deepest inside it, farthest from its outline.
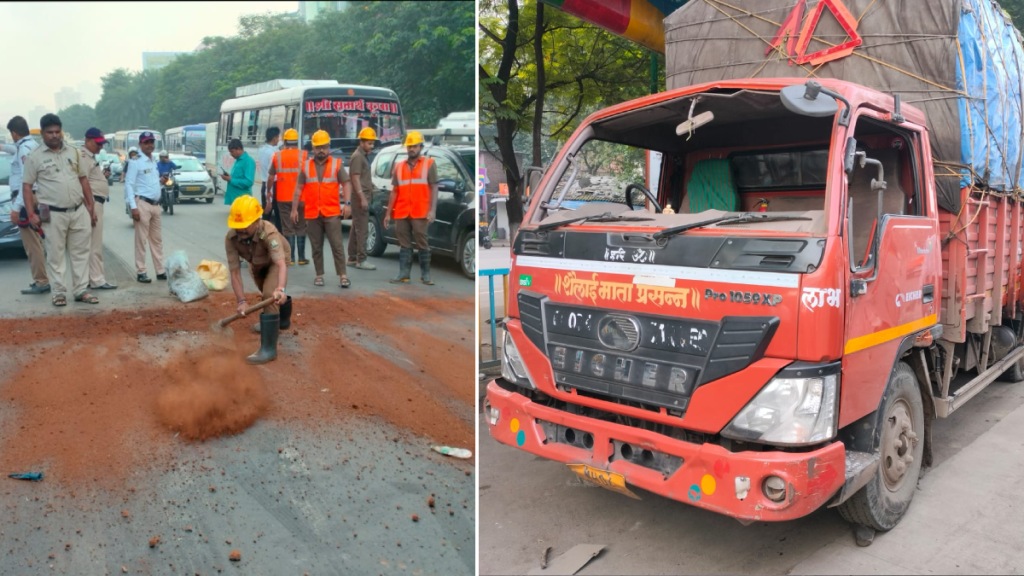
(284, 173)
(412, 205)
(325, 188)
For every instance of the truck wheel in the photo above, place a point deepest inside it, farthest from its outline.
(883, 501)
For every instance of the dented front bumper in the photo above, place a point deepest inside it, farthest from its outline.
(736, 484)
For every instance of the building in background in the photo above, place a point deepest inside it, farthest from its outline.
(157, 60)
(67, 97)
(308, 11)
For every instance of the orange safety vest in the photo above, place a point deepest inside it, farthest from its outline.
(412, 199)
(322, 197)
(287, 163)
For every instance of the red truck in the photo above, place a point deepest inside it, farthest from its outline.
(755, 295)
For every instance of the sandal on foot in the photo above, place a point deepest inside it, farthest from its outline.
(318, 281)
(87, 298)
(345, 283)
(60, 300)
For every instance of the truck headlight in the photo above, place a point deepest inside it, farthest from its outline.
(512, 367)
(795, 408)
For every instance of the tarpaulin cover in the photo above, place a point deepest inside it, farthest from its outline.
(960, 61)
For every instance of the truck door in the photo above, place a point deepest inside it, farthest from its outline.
(894, 257)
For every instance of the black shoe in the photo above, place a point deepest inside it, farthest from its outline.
(143, 278)
(161, 276)
(36, 289)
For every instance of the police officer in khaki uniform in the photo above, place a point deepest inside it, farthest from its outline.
(94, 142)
(259, 243)
(65, 204)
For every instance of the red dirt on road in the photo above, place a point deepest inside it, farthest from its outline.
(96, 397)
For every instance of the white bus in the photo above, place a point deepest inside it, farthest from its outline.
(308, 105)
(125, 139)
(190, 139)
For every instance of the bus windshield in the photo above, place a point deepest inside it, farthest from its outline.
(343, 117)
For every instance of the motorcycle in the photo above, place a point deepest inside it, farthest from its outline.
(168, 193)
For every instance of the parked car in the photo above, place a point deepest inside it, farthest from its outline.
(9, 236)
(453, 232)
(194, 182)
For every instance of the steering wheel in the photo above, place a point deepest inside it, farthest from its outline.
(650, 196)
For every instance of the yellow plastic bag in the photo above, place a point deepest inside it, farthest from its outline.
(214, 274)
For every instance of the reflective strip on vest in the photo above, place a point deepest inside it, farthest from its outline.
(322, 197)
(287, 165)
(413, 190)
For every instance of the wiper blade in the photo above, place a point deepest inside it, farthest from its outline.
(727, 220)
(762, 217)
(605, 217)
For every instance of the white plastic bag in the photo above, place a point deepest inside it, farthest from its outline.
(182, 280)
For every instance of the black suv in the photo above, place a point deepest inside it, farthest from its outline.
(453, 232)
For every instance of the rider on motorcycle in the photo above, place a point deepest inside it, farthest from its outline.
(165, 168)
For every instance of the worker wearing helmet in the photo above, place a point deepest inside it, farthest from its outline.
(362, 197)
(324, 186)
(281, 178)
(412, 205)
(257, 241)
(165, 167)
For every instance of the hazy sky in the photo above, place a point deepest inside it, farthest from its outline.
(51, 45)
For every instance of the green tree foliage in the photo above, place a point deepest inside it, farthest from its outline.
(581, 68)
(423, 50)
(76, 119)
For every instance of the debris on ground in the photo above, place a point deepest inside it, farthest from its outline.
(453, 452)
(235, 556)
(571, 562)
(34, 476)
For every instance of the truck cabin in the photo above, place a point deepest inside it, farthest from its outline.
(722, 151)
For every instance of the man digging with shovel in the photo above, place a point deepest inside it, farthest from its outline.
(259, 243)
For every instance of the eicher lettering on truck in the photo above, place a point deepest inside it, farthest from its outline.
(755, 291)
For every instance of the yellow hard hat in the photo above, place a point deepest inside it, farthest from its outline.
(321, 138)
(244, 211)
(291, 135)
(413, 138)
(367, 134)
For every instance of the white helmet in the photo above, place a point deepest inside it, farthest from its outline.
(133, 149)
(163, 153)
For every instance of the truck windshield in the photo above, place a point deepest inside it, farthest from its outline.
(700, 157)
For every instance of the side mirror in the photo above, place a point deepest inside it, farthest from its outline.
(449, 185)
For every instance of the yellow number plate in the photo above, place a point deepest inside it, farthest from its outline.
(603, 478)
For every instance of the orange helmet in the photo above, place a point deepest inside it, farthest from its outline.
(244, 211)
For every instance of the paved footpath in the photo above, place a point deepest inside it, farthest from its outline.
(966, 518)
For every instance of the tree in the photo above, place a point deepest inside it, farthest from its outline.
(76, 119)
(541, 72)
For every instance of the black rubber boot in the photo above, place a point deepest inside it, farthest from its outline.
(404, 266)
(269, 329)
(425, 268)
(286, 314)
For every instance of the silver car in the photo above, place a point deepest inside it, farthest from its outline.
(194, 182)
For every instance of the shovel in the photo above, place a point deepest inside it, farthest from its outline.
(220, 324)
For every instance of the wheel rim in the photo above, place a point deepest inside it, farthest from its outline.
(898, 443)
(469, 256)
(371, 234)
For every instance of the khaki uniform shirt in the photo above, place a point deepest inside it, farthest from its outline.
(358, 164)
(97, 181)
(260, 251)
(56, 175)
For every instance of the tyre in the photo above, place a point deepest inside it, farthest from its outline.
(375, 243)
(170, 209)
(467, 255)
(883, 501)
